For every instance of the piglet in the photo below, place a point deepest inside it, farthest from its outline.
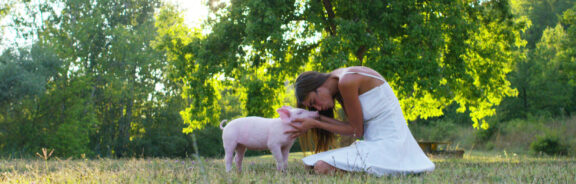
(257, 133)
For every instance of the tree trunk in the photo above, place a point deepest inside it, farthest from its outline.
(331, 28)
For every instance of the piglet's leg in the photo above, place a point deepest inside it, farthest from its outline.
(285, 153)
(240, 150)
(277, 152)
(229, 153)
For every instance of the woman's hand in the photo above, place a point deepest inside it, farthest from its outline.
(301, 126)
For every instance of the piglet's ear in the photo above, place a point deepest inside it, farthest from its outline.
(286, 107)
(284, 114)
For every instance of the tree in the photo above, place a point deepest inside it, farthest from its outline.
(567, 55)
(25, 73)
(93, 83)
(543, 79)
(110, 67)
(433, 53)
(24, 77)
(552, 93)
(542, 13)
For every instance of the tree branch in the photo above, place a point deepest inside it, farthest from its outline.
(332, 27)
(360, 54)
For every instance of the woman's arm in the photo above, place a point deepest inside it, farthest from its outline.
(354, 127)
(326, 123)
(349, 90)
(339, 127)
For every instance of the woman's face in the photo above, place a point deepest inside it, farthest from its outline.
(321, 99)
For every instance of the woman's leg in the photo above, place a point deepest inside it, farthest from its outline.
(322, 167)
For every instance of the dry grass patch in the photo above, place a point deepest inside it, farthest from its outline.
(476, 167)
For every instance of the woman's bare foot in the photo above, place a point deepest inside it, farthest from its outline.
(322, 167)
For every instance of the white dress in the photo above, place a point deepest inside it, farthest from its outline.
(388, 147)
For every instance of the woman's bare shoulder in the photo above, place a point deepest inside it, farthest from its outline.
(342, 77)
(363, 69)
(340, 72)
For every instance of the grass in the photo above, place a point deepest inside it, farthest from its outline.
(475, 167)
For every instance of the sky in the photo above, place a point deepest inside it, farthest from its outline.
(194, 11)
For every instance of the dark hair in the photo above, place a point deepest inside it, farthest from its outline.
(308, 82)
(317, 139)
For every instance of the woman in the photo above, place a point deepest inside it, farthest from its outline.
(373, 113)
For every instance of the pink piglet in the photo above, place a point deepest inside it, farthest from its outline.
(258, 133)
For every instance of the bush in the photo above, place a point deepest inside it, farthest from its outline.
(549, 145)
(483, 136)
(71, 140)
(209, 142)
(438, 130)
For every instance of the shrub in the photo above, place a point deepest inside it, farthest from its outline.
(483, 136)
(436, 130)
(548, 144)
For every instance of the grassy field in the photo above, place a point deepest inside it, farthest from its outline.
(475, 167)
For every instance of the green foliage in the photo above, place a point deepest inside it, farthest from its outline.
(230, 103)
(4, 8)
(544, 78)
(71, 140)
(542, 13)
(261, 94)
(198, 90)
(567, 55)
(484, 136)
(210, 142)
(111, 66)
(435, 130)
(24, 78)
(100, 90)
(160, 134)
(549, 144)
(553, 92)
(433, 53)
(25, 73)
